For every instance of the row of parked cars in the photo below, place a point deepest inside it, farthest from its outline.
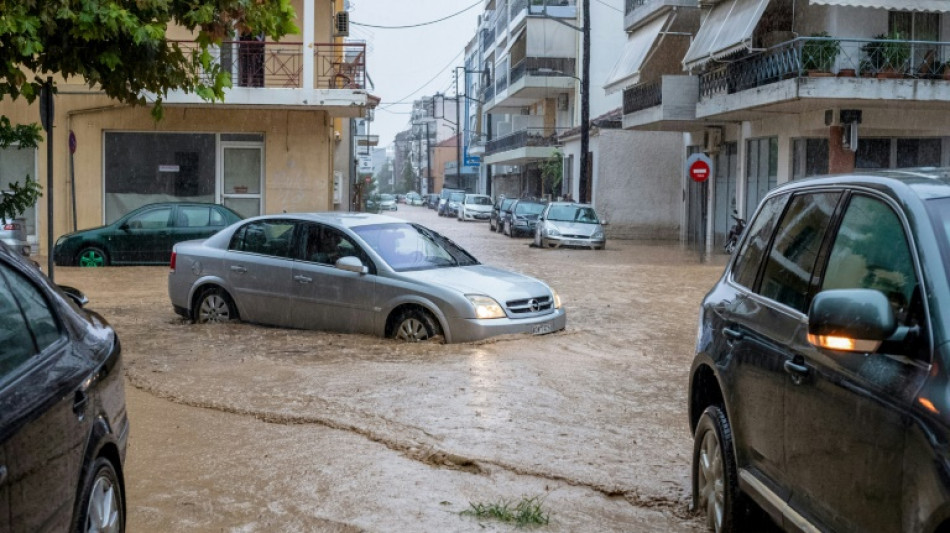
(550, 224)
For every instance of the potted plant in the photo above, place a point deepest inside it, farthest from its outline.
(819, 54)
(944, 70)
(887, 55)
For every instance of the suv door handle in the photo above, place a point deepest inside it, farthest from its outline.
(733, 334)
(303, 279)
(238, 268)
(797, 370)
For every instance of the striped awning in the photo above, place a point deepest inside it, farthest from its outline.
(939, 6)
(640, 43)
(726, 30)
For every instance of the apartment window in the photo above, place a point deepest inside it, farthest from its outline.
(809, 157)
(913, 26)
(15, 165)
(761, 170)
(883, 153)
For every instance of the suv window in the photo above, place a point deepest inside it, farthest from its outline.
(791, 260)
(871, 252)
(750, 256)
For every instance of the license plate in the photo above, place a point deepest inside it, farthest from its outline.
(481, 216)
(542, 329)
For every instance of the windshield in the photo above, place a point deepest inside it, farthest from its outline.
(572, 213)
(528, 208)
(477, 200)
(456, 197)
(405, 247)
(386, 197)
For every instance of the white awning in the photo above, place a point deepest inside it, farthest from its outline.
(726, 29)
(640, 43)
(939, 6)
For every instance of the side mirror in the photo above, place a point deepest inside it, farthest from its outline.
(124, 226)
(351, 264)
(75, 295)
(604, 223)
(853, 320)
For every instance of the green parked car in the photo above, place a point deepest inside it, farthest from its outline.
(144, 236)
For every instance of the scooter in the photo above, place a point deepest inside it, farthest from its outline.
(732, 240)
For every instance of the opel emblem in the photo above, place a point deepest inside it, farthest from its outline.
(535, 305)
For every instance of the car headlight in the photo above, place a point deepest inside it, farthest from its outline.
(552, 231)
(485, 306)
(598, 235)
(557, 299)
(60, 241)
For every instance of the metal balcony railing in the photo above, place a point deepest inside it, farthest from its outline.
(501, 18)
(642, 96)
(528, 137)
(489, 93)
(543, 66)
(280, 64)
(827, 56)
(501, 83)
(630, 5)
(540, 6)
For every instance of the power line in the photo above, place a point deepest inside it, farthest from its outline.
(479, 2)
(424, 85)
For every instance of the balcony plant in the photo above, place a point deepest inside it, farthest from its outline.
(887, 55)
(819, 54)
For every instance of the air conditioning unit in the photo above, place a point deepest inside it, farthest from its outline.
(341, 24)
(712, 139)
(562, 102)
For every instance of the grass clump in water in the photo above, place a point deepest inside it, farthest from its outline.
(527, 512)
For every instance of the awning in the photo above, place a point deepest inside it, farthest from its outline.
(939, 6)
(726, 29)
(640, 43)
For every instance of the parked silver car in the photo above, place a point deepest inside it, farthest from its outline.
(569, 224)
(357, 273)
(475, 207)
(13, 234)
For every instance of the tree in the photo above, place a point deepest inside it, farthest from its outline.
(385, 177)
(552, 171)
(409, 178)
(120, 47)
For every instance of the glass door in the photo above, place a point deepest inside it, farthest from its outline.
(242, 176)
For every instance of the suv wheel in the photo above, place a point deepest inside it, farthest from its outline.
(715, 479)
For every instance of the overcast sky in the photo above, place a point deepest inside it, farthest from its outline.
(401, 62)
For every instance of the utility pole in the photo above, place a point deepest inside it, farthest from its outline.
(585, 177)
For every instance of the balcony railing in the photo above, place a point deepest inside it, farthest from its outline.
(543, 66)
(633, 4)
(555, 8)
(489, 93)
(642, 96)
(501, 83)
(280, 64)
(825, 56)
(529, 137)
(517, 6)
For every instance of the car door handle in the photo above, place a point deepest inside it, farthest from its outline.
(303, 279)
(238, 268)
(80, 400)
(797, 370)
(732, 334)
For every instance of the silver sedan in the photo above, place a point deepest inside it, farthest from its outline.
(355, 273)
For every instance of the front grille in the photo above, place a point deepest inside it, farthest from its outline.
(529, 305)
(566, 236)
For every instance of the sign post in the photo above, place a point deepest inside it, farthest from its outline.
(699, 168)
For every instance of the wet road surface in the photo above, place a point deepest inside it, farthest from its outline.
(238, 427)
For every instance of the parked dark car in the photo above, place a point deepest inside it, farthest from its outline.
(499, 212)
(444, 196)
(522, 218)
(63, 422)
(432, 200)
(143, 237)
(819, 389)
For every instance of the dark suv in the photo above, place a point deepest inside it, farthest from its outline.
(819, 389)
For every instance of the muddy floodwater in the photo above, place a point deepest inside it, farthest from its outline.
(243, 428)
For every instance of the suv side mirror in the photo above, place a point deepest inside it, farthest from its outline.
(853, 320)
(75, 295)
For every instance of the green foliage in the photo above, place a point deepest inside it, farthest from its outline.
(18, 198)
(552, 172)
(19, 135)
(888, 51)
(408, 177)
(820, 53)
(527, 512)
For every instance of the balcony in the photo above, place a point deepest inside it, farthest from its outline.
(816, 72)
(533, 79)
(554, 8)
(638, 12)
(523, 146)
(268, 74)
(665, 105)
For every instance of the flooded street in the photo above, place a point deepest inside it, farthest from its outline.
(243, 428)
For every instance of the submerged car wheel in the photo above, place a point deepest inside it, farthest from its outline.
(214, 305)
(715, 480)
(101, 508)
(92, 256)
(415, 325)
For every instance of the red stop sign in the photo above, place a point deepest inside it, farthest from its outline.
(699, 171)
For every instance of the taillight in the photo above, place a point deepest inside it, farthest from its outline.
(11, 227)
(171, 264)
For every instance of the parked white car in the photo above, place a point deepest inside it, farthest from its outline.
(475, 207)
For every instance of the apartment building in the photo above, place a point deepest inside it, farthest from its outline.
(775, 90)
(268, 147)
